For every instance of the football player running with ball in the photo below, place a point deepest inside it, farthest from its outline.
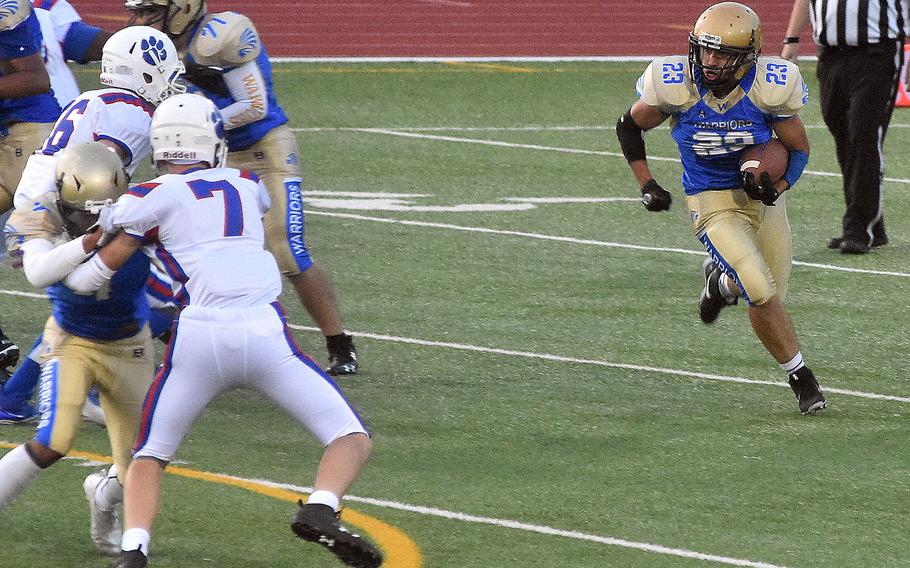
(722, 98)
(226, 60)
(231, 332)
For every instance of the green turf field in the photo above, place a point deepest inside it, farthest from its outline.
(541, 390)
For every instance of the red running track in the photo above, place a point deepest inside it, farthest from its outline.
(453, 28)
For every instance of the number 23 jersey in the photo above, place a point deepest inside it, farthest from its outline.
(711, 132)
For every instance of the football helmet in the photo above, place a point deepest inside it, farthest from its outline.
(143, 60)
(186, 129)
(724, 44)
(90, 177)
(178, 15)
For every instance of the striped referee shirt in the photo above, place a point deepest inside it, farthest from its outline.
(839, 23)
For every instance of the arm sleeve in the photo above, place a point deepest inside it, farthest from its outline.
(45, 264)
(88, 277)
(249, 90)
(78, 40)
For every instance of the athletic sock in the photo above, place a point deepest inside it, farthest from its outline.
(135, 539)
(17, 471)
(794, 364)
(323, 497)
(109, 492)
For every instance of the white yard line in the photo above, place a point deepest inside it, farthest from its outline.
(492, 521)
(412, 133)
(564, 359)
(577, 241)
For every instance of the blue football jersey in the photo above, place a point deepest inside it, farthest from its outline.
(711, 132)
(116, 311)
(22, 41)
(227, 40)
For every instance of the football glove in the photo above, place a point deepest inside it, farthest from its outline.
(654, 197)
(763, 191)
(209, 79)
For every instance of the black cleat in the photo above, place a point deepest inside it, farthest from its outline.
(711, 301)
(342, 355)
(9, 352)
(319, 523)
(805, 387)
(835, 242)
(130, 559)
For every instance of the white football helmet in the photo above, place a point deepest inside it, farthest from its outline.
(90, 177)
(178, 15)
(143, 60)
(187, 128)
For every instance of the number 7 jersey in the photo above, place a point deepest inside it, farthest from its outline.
(711, 132)
(207, 228)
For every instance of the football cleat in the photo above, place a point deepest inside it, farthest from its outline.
(105, 526)
(319, 523)
(342, 355)
(22, 414)
(808, 394)
(712, 301)
(9, 352)
(130, 559)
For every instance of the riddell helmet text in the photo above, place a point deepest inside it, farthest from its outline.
(178, 155)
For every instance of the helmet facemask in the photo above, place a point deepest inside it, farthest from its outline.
(724, 45)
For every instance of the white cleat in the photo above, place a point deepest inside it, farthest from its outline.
(106, 529)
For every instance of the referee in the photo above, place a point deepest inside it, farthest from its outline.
(860, 56)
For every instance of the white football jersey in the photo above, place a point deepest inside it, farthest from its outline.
(62, 81)
(207, 225)
(113, 115)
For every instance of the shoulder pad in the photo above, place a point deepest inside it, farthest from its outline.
(778, 88)
(667, 85)
(41, 221)
(13, 13)
(225, 39)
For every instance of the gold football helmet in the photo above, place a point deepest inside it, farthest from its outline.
(724, 44)
(90, 177)
(178, 15)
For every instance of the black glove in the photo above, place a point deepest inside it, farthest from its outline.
(210, 79)
(654, 197)
(763, 191)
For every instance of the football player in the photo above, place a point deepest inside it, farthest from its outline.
(722, 98)
(226, 60)
(231, 332)
(100, 340)
(141, 68)
(64, 37)
(27, 110)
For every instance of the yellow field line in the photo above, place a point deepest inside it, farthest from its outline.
(399, 550)
(492, 66)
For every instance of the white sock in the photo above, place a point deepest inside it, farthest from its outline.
(793, 364)
(17, 471)
(109, 492)
(323, 497)
(136, 539)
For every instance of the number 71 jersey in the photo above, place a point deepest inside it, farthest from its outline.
(711, 132)
(206, 226)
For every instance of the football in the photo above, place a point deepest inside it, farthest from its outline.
(772, 157)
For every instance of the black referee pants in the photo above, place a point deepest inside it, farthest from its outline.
(858, 88)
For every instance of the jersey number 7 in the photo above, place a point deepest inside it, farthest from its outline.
(233, 207)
